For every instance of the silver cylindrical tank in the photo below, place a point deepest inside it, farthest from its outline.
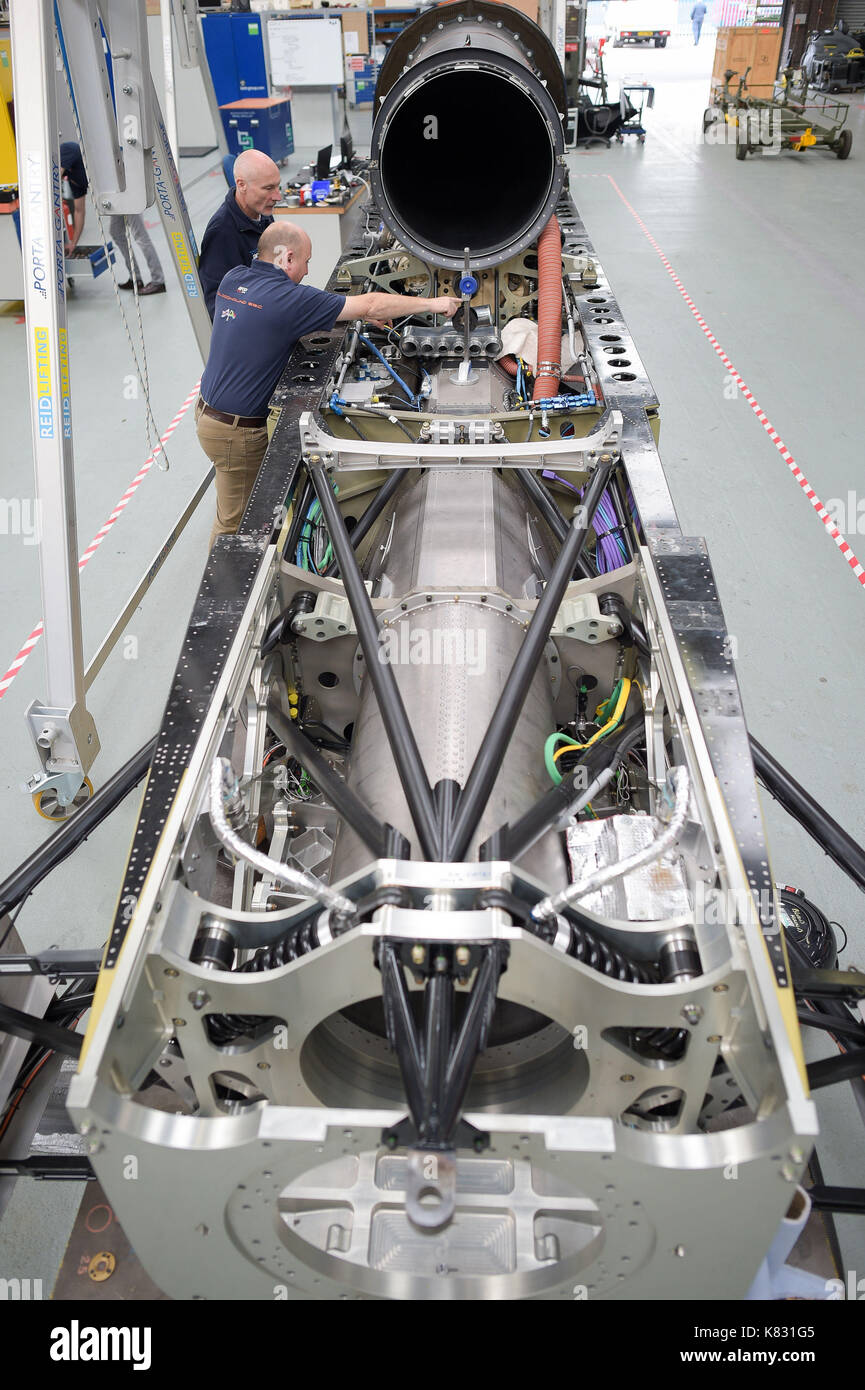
(451, 651)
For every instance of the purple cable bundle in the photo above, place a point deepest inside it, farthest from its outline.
(610, 552)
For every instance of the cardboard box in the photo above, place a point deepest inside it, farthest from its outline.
(528, 7)
(747, 46)
(355, 31)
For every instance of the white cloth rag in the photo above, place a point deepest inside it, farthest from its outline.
(520, 339)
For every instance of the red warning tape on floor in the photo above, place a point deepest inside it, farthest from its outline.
(773, 434)
(15, 666)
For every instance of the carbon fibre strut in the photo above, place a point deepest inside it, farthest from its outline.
(436, 1061)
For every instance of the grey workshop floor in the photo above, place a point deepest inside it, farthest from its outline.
(769, 252)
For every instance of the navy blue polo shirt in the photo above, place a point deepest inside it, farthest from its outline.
(71, 161)
(260, 314)
(230, 238)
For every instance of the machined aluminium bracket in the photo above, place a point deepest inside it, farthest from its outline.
(321, 447)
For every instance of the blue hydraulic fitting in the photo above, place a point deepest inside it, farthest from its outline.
(468, 286)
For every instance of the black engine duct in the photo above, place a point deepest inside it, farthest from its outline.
(462, 86)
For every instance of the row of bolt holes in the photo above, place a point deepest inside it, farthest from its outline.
(310, 364)
(612, 340)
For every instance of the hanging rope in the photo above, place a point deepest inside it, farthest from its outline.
(141, 370)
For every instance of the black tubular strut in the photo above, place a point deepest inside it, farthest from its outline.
(446, 795)
(40, 1030)
(437, 1068)
(842, 1027)
(850, 1200)
(65, 965)
(494, 743)
(371, 515)
(402, 1030)
(400, 736)
(848, 1066)
(472, 1037)
(840, 985)
(834, 989)
(830, 836)
(438, 1030)
(66, 839)
(543, 499)
(371, 830)
(49, 1168)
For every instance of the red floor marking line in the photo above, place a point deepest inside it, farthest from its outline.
(773, 434)
(15, 666)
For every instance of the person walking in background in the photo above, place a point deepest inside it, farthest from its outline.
(698, 14)
(72, 169)
(146, 252)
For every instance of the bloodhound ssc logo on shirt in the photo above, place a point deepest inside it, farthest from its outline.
(243, 289)
(247, 303)
(228, 314)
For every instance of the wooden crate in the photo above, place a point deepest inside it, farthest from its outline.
(741, 47)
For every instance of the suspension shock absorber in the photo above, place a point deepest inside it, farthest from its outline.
(679, 960)
(208, 950)
(572, 938)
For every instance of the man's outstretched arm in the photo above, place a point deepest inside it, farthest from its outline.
(380, 307)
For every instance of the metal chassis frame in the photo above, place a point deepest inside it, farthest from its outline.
(685, 625)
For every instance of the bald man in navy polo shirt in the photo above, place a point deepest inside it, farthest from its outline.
(260, 312)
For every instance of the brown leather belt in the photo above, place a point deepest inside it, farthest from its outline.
(248, 422)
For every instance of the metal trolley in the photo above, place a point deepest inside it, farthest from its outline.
(89, 261)
(639, 97)
(788, 120)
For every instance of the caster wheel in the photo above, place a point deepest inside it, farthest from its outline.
(620, 139)
(49, 808)
(642, 139)
(845, 140)
(742, 151)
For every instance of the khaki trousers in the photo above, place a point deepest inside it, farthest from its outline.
(236, 452)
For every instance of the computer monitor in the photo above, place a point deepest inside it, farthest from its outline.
(322, 163)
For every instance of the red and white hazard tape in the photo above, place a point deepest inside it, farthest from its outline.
(773, 434)
(27, 647)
